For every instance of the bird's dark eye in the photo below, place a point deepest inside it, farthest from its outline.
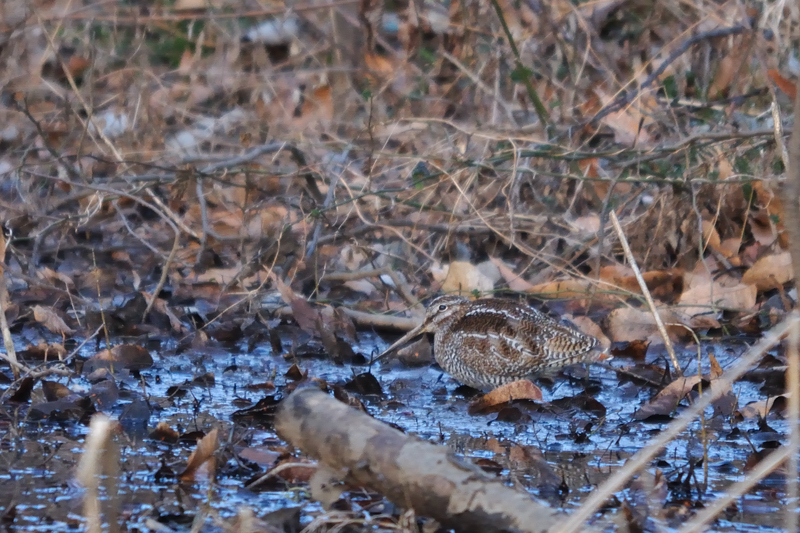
(442, 307)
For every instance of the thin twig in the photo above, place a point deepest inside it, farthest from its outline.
(164, 275)
(792, 225)
(793, 446)
(405, 291)
(645, 291)
(366, 320)
(277, 470)
(8, 342)
(312, 244)
(210, 14)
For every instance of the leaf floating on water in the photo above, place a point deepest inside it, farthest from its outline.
(667, 400)
(295, 374)
(203, 455)
(104, 394)
(23, 393)
(54, 391)
(43, 352)
(124, 356)
(262, 411)
(764, 407)
(636, 350)
(365, 383)
(522, 389)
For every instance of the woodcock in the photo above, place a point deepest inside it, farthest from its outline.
(491, 342)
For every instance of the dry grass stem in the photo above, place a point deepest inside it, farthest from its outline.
(793, 446)
(8, 342)
(645, 291)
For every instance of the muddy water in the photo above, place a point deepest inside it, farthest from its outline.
(559, 451)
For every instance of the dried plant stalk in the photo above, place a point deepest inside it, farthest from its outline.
(635, 267)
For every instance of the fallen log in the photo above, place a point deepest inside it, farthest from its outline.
(410, 472)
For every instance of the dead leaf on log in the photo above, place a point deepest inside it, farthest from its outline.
(203, 455)
(522, 389)
(50, 319)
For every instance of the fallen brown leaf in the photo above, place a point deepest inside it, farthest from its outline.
(701, 303)
(567, 289)
(522, 389)
(514, 281)
(770, 271)
(50, 319)
(665, 402)
(788, 87)
(302, 311)
(204, 452)
(464, 277)
(762, 408)
(629, 324)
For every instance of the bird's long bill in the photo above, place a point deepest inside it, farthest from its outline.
(417, 331)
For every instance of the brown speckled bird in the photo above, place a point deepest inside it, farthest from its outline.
(491, 342)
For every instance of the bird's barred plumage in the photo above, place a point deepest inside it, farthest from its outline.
(487, 343)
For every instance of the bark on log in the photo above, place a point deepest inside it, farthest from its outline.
(408, 471)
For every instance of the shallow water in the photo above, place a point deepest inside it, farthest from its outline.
(559, 451)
